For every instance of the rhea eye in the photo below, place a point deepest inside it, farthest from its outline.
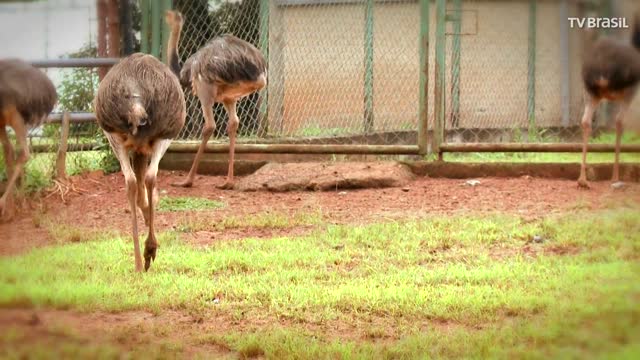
(143, 122)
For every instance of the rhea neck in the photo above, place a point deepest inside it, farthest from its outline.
(172, 49)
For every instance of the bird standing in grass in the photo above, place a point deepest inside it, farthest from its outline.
(141, 108)
(611, 71)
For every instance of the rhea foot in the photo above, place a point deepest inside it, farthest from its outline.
(228, 185)
(583, 183)
(6, 210)
(150, 247)
(187, 183)
(615, 177)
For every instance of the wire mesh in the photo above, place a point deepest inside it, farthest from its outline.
(339, 72)
(205, 20)
(513, 71)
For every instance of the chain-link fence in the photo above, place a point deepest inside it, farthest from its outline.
(339, 72)
(349, 71)
(355, 71)
(512, 71)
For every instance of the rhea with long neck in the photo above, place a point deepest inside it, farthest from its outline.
(141, 108)
(175, 21)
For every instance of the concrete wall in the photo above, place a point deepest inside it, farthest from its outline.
(320, 53)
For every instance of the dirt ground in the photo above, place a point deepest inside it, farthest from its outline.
(99, 202)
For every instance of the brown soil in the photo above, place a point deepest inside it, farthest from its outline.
(195, 334)
(100, 204)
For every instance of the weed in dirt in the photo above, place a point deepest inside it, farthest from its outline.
(263, 220)
(179, 203)
(420, 273)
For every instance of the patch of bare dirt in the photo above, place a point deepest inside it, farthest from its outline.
(124, 331)
(195, 333)
(279, 177)
(102, 205)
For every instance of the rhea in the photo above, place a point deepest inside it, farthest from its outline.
(141, 108)
(611, 71)
(27, 96)
(225, 70)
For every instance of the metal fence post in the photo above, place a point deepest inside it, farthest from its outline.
(456, 18)
(531, 77)
(276, 76)
(263, 122)
(565, 88)
(145, 30)
(368, 68)
(155, 29)
(439, 107)
(423, 113)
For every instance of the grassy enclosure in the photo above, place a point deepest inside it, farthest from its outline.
(464, 286)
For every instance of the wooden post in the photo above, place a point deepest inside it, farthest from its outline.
(101, 9)
(114, 29)
(423, 113)
(61, 160)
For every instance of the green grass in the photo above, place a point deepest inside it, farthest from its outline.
(318, 131)
(628, 138)
(63, 233)
(179, 203)
(40, 169)
(263, 220)
(461, 286)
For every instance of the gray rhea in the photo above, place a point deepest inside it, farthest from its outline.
(610, 71)
(27, 96)
(225, 70)
(141, 108)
